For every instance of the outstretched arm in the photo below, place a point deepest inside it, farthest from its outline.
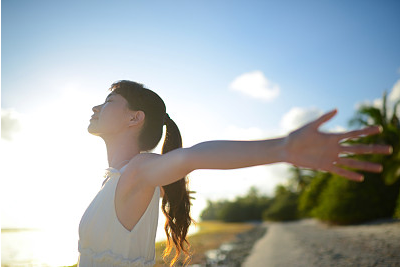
(305, 147)
(172, 166)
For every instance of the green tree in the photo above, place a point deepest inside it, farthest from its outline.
(370, 115)
(211, 211)
(283, 207)
(284, 204)
(300, 178)
(247, 208)
(310, 197)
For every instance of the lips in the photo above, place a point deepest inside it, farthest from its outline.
(93, 118)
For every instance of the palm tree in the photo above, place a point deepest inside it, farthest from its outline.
(370, 115)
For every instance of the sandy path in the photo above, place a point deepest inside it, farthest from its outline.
(310, 243)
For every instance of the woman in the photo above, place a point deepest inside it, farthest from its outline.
(119, 226)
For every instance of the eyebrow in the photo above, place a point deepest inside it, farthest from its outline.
(110, 95)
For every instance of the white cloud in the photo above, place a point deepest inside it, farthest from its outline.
(256, 85)
(358, 105)
(297, 117)
(10, 123)
(392, 97)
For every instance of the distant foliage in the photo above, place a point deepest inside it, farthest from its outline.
(283, 206)
(247, 208)
(212, 210)
(255, 207)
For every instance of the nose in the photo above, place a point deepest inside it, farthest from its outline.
(96, 108)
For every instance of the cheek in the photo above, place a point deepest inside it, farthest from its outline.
(111, 120)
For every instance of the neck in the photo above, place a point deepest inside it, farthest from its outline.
(120, 150)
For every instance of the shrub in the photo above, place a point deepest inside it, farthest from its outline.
(310, 197)
(397, 209)
(346, 202)
(283, 207)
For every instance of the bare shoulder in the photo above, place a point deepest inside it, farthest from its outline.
(132, 176)
(140, 160)
(158, 170)
(143, 157)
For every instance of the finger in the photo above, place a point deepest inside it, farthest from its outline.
(360, 165)
(324, 118)
(363, 132)
(367, 149)
(347, 174)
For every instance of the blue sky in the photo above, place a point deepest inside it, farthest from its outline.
(59, 58)
(334, 52)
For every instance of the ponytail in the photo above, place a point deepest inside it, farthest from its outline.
(176, 201)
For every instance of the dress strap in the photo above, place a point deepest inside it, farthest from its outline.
(110, 171)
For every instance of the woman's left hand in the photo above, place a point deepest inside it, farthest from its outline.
(309, 148)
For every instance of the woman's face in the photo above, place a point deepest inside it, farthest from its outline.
(111, 117)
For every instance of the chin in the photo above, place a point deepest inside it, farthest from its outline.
(91, 131)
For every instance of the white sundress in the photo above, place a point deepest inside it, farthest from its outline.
(104, 241)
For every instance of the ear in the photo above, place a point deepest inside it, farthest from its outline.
(136, 118)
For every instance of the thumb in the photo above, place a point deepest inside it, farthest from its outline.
(324, 118)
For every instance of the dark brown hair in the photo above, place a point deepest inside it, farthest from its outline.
(176, 199)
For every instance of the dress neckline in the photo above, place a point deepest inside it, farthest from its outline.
(111, 171)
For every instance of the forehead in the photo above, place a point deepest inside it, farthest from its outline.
(111, 94)
(117, 97)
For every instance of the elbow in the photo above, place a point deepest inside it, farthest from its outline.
(187, 160)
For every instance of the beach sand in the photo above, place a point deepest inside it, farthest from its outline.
(312, 243)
